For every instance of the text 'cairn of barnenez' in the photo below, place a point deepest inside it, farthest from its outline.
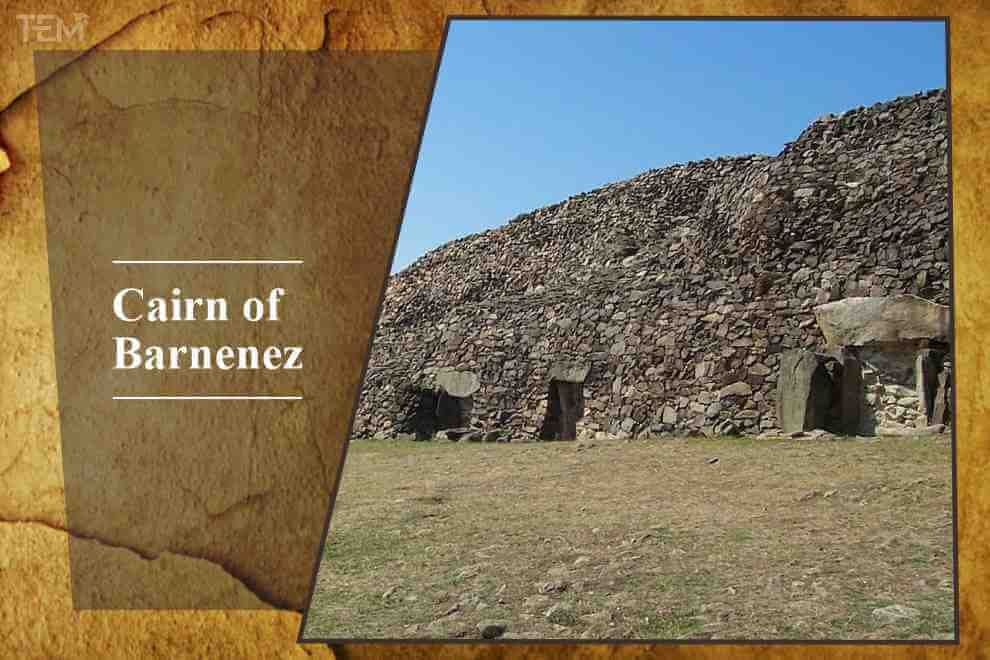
(666, 302)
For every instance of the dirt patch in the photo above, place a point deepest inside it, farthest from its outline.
(790, 539)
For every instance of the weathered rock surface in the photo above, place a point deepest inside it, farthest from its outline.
(458, 383)
(805, 390)
(862, 321)
(678, 288)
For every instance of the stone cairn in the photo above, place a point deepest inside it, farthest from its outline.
(673, 302)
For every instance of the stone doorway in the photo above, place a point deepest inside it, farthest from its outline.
(436, 410)
(420, 413)
(452, 412)
(565, 401)
(448, 404)
(565, 406)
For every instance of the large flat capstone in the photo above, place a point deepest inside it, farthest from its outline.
(891, 319)
(458, 383)
(569, 372)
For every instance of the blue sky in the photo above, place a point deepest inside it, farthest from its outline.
(528, 113)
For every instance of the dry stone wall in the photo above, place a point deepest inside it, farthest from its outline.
(674, 292)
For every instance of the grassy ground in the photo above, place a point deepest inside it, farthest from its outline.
(778, 539)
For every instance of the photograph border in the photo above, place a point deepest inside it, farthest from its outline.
(391, 642)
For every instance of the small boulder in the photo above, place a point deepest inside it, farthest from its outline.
(895, 614)
(739, 388)
(491, 629)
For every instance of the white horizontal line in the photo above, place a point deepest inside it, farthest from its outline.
(222, 397)
(208, 261)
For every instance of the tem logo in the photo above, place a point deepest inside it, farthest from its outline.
(50, 28)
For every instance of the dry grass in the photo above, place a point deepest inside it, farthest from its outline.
(789, 539)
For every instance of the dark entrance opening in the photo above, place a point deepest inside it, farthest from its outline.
(565, 406)
(453, 412)
(431, 410)
(420, 416)
(820, 391)
(446, 405)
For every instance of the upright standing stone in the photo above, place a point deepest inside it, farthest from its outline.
(571, 408)
(565, 406)
(851, 395)
(804, 391)
(927, 367)
(941, 408)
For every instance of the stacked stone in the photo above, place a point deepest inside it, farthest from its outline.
(677, 289)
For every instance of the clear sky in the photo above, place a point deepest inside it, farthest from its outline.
(528, 113)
